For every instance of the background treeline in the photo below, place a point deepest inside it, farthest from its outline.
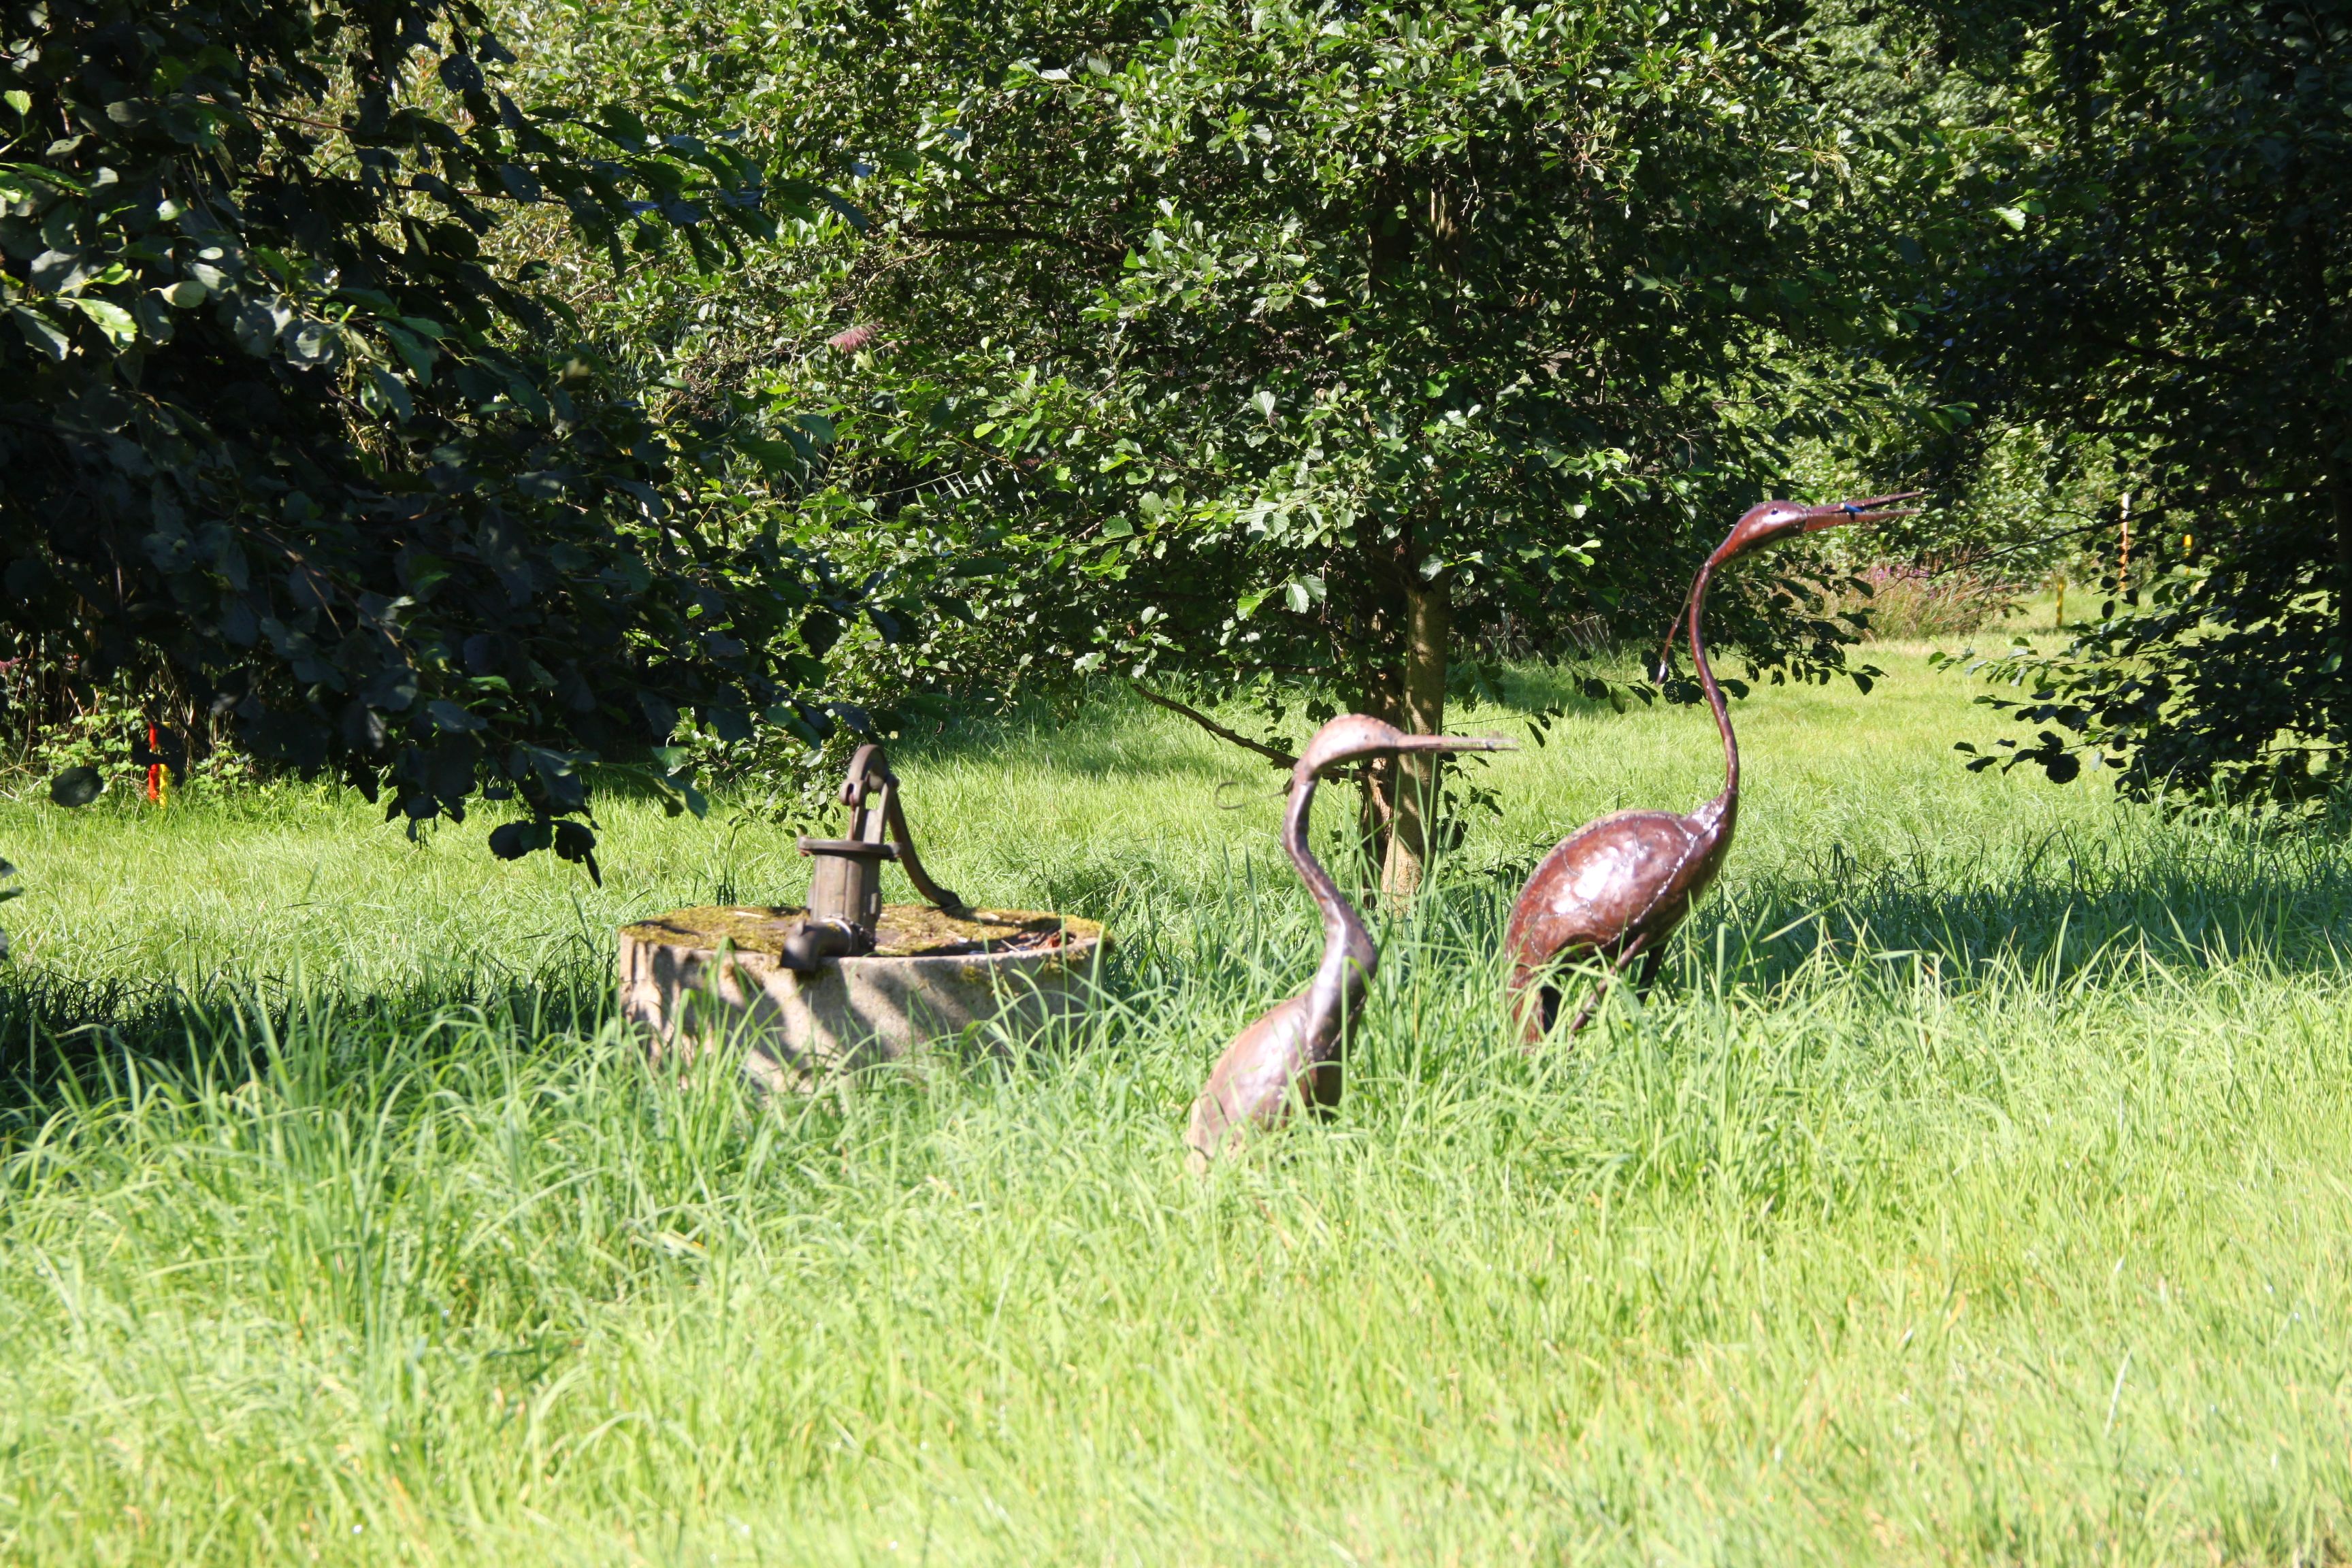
(450, 398)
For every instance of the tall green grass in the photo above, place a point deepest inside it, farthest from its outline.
(1974, 1189)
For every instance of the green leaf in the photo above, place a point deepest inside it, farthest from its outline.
(776, 457)
(422, 571)
(383, 394)
(16, 174)
(77, 787)
(415, 350)
(108, 317)
(41, 332)
(513, 840)
(451, 719)
(621, 126)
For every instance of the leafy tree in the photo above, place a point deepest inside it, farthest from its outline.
(2145, 247)
(283, 416)
(1303, 348)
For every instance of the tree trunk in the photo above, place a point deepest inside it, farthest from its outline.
(2340, 494)
(1428, 618)
(1376, 782)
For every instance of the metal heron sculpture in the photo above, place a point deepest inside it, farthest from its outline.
(1617, 888)
(1292, 1054)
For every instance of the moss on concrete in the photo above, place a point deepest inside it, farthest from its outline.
(906, 931)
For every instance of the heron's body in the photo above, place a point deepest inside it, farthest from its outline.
(1617, 888)
(1291, 1056)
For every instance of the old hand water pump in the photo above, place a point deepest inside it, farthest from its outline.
(851, 981)
(845, 903)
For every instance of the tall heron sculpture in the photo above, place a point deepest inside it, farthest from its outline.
(1292, 1054)
(1617, 888)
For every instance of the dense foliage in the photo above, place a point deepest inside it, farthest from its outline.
(2161, 268)
(1294, 351)
(1323, 340)
(283, 424)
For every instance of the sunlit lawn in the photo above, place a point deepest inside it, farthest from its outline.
(1974, 1189)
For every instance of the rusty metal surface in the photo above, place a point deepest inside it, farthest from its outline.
(846, 888)
(1292, 1055)
(1616, 889)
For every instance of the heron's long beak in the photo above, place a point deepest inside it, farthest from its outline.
(1837, 514)
(1456, 744)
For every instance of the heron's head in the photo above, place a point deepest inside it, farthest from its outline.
(1768, 522)
(1354, 736)
(1773, 520)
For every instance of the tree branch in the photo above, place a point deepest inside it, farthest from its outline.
(2220, 363)
(1279, 759)
(1005, 234)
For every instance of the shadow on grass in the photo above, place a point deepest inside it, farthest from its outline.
(2224, 893)
(2199, 890)
(2186, 893)
(64, 1039)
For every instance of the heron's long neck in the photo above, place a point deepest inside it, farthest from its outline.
(1727, 803)
(1348, 956)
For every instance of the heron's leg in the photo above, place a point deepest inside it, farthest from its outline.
(1634, 949)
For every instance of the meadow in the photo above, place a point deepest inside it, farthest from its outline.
(1973, 1188)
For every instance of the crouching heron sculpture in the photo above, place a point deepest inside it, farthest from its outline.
(1617, 888)
(1292, 1054)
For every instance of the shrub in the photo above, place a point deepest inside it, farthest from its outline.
(283, 430)
(1907, 603)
